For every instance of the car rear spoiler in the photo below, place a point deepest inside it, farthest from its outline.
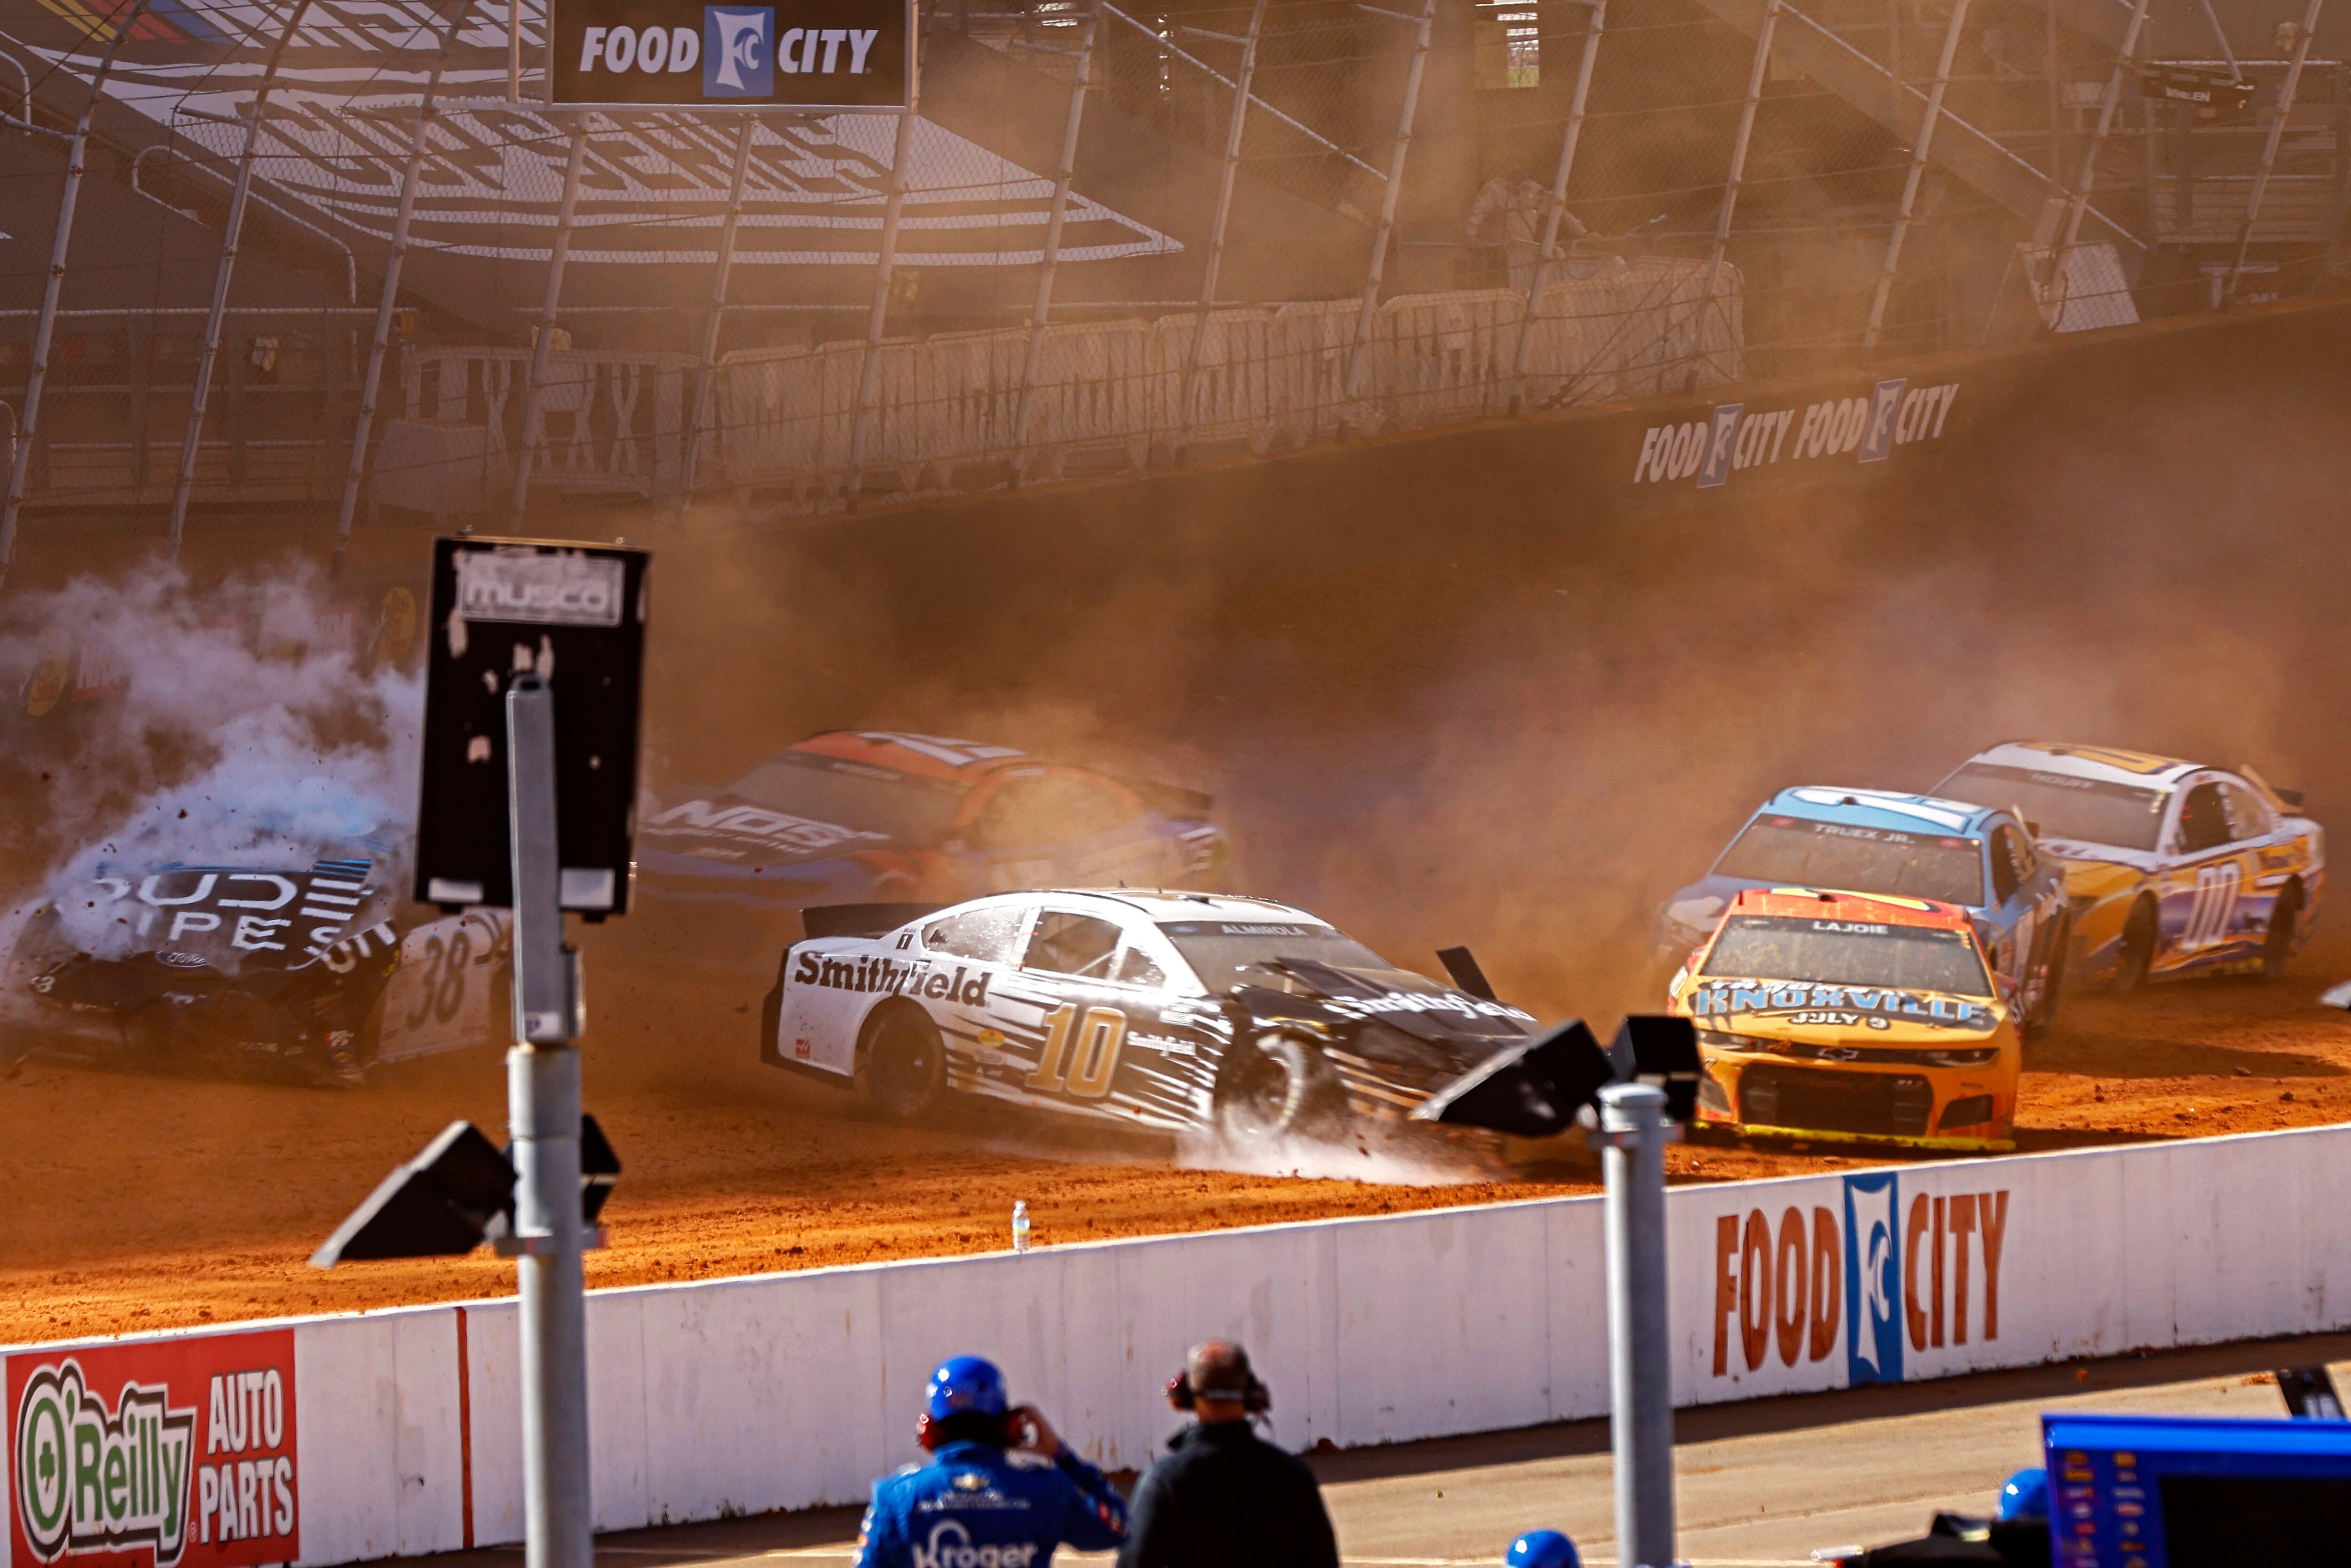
(2290, 798)
(1172, 799)
(862, 919)
(1540, 1089)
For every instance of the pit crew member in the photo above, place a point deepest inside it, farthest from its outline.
(1002, 1490)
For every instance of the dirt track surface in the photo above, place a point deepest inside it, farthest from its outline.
(138, 1203)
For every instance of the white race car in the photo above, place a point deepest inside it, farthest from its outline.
(1174, 1012)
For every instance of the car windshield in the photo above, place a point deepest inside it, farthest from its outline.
(905, 806)
(2090, 810)
(1224, 952)
(1848, 953)
(1798, 851)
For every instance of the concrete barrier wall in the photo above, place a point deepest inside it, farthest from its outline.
(793, 1390)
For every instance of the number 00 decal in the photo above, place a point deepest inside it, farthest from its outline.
(1098, 1039)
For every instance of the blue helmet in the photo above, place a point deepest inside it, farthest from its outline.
(2025, 1495)
(1543, 1549)
(965, 1384)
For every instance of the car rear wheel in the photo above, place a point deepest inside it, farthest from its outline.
(1278, 1086)
(903, 1069)
(2044, 1016)
(2138, 948)
(2278, 946)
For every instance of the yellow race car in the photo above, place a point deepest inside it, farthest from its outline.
(2173, 868)
(1845, 1018)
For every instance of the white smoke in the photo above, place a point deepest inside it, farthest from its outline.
(244, 726)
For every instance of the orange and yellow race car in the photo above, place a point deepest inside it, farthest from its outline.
(1841, 1017)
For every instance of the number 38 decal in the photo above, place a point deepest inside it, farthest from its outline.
(1085, 1070)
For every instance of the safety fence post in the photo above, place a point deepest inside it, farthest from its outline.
(1593, 27)
(1234, 126)
(1910, 181)
(534, 396)
(706, 377)
(1634, 1131)
(1757, 70)
(380, 345)
(2108, 104)
(2269, 147)
(1064, 173)
(231, 230)
(28, 425)
(1389, 197)
(869, 378)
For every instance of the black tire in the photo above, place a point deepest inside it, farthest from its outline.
(1278, 1086)
(2138, 948)
(2043, 1017)
(2277, 948)
(902, 1065)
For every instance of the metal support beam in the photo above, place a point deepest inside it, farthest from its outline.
(1236, 123)
(705, 379)
(1386, 232)
(869, 378)
(232, 234)
(1593, 27)
(1757, 69)
(356, 472)
(1920, 147)
(544, 345)
(1064, 175)
(2108, 104)
(45, 330)
(1633, 1133)
(2270, 147)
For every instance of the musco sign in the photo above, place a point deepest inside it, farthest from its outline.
(793, 54)
(155, 1456)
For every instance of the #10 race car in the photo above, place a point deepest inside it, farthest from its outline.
(1172, 1011)
(1978, 857)
(875, 816)
(1839, 1018)
(2173, 869)
(309, 975)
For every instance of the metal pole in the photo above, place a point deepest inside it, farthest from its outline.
(2269, 147)
(370, 382)
(868, 379)
(1756, 72)
(1559, 177)
(44, 332)
(1392, 193)
(1063, 175)
(543, 1116)
(1234, 126)
(533, 396)
(705, 380)
(1633, 1133)
(232, 231)
(2106, 106)
(1925, 140)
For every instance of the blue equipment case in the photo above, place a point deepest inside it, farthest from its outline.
(2171, 1491)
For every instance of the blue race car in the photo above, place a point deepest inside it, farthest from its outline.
(1901, 846)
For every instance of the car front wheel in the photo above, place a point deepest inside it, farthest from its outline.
(2138, 948)
(1278, 1086)
(2044, 1016)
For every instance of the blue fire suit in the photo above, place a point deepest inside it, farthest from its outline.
(978, 1506)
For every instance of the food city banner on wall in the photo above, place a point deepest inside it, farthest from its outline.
(157, 1453)
(727, 1396)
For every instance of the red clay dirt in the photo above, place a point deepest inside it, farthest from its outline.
(133, 1202)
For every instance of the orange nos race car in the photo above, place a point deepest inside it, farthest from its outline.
(1842, 1018)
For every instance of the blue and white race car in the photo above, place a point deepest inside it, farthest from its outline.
(1884, 844)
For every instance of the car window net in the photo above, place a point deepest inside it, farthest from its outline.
(1072, 945)
(905, 806)
(1796, 852)
(1224, 952)
(1847, 953)
(2087, 810)
(985, 934)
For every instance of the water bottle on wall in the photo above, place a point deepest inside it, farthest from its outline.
(1020, 1225)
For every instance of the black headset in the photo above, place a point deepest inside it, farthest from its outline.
(1256, 1397)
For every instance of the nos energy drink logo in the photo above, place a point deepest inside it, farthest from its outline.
(738, 51)
(1873, 1271)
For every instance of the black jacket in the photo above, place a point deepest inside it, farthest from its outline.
(1223, 1499)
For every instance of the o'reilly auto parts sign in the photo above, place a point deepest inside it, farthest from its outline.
(793, 54)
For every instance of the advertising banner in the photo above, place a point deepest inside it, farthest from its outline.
(813, 54)
(177, 1453)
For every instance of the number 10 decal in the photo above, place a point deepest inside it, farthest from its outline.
(1098, 1036)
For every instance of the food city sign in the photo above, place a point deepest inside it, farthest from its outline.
(170, 1454)
(1735, 437)
(682, 54)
